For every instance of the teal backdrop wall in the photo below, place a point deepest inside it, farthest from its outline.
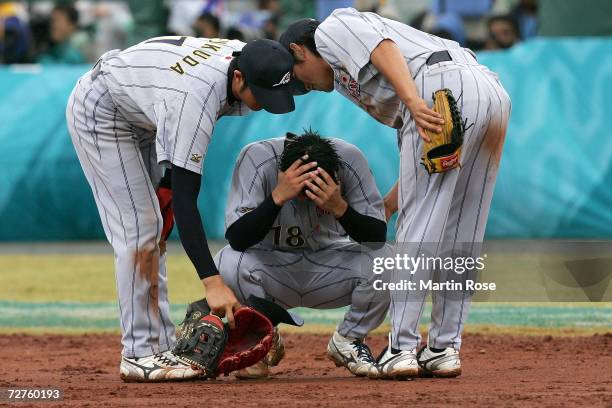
(555, 179)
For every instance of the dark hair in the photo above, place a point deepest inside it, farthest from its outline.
(318, 149)
(70, 12)
(307, 39)
(211, 19)
(506, 18)
(234, 66)
(234, 33)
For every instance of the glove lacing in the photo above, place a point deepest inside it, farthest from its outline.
(456, 115)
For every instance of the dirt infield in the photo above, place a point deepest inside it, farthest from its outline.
(498, 370)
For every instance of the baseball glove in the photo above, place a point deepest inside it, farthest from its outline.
(443, 151)
(207, 343)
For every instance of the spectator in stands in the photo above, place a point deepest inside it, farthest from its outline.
(69, 44)
(270, 26)
(207, 25)
(14, 34)
(446, 25)
(526, 15)
(503, 32)
(234, 33)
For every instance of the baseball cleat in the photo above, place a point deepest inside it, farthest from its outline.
(400, 365)
(261, 369)
(353, 354)
(158, 367)
(258, 371)
(277, 351)
(442, 364)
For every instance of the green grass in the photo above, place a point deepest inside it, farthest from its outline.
(75, 293)
(82, 278)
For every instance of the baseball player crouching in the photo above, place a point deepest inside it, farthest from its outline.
(151, 106)
(298, 209)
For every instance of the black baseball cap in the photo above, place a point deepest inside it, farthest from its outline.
(267, 66)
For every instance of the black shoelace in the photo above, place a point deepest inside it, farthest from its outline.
(363, 352)
(165, 360)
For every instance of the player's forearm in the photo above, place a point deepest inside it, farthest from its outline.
(186, 187)
(252, 227)
(363, 228)
(390, 62)
(390, 201)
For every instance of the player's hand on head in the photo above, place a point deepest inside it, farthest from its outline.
(325, 193)
(221, 298)
(292, 181)
(425, 118)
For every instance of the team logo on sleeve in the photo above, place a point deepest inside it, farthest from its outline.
(196, 157)
(351, 85)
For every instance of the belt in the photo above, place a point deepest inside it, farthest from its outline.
(438, 56)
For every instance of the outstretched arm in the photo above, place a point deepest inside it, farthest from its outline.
(186, 187)
(391, 203)
(389, 61)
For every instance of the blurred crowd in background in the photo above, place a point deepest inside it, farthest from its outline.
(79, 31)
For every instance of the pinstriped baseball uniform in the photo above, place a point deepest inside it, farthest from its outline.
(306, 259)
(444, 211)
(155, 102)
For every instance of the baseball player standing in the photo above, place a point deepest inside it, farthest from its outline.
(391, 71)
(294, 206)
(151, 106)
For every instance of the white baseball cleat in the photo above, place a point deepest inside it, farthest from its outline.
(158, 367)
(400, 365)
(353, 354)
(261, 369)
(439, 364)
(277, 351)
(258, 371)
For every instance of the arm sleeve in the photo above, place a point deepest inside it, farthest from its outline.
(357, 182)
(186, 187)
(252, 227)
(363, 228)
(348, 37)
(364, 219)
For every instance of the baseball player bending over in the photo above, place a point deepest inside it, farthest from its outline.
(151, 106)
(298, 209)
(391, 70)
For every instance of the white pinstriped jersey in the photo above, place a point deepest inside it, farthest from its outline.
(346, 39)
(175, 87)
(300, 224)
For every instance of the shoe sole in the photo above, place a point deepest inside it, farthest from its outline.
(145, 380)
(401, 376)
(340, 363)
(252, 377)
(439, 373)
(396, 378)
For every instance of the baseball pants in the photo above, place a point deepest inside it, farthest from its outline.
(447, 212)
(323, 279)
(120, 164)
